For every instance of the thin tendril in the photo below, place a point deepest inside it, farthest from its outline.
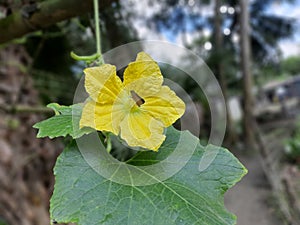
(97, 57)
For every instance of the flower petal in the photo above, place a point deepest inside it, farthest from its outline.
(165, 106)
(103, 116)
(88, 114)
(102, 83)
(141, 129)
(143, 75)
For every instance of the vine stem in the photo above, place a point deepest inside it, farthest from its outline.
(108, 143)
(97, 30)
(25, 109)
(100, 58)
(97, 57)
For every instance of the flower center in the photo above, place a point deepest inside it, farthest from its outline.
(138, 100)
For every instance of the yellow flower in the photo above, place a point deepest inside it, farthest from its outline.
(139, 108)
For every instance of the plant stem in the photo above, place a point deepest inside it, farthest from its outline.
(97, 30)
(107, 140)
(25, 109)
(108, 143)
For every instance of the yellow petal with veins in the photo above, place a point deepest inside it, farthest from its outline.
(106, 116)
(139, 108)
(139, 128)
(102, 83)
(88, 114)
(164, 106)
(143, 76)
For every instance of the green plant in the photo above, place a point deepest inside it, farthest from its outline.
(292, 146)
(169, 178)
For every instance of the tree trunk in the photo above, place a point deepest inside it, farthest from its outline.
(218, 36)
(248, 120)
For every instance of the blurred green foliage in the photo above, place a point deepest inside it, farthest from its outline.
(55, 73)
(291, 65)
(292, 146)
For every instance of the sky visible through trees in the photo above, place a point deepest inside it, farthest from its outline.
(285, 9)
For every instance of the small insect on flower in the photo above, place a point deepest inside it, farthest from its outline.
(139, 108)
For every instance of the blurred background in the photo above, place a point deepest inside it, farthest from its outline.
(252, 47)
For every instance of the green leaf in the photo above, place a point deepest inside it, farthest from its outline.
(65, 122)
(82, 196)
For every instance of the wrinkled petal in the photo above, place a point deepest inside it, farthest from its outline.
(141, 129)
(102, 83)
(143, 76)
(164, 106)
(88, 114)
(104, 116)
(139, 108)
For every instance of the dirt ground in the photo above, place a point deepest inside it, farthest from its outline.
(251, 199)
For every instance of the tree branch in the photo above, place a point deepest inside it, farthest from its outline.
(42, 15)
